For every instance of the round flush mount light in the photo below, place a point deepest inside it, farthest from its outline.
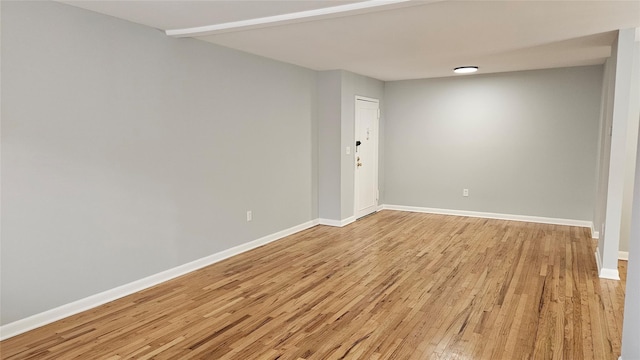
(465, 69)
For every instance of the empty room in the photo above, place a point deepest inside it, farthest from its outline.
(266, 179)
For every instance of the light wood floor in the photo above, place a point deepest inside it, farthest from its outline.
(393, 285)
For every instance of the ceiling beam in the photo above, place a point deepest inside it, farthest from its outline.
(301, 16)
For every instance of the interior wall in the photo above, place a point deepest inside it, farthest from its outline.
(357, 85)
(631, 325)
(523, 143)
(337, 91)
(631, 322)
(630, 168)
(329, 124)
(126, 152)
(617, 207)
(604, 145)
(627, 197)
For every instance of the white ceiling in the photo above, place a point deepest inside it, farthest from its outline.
(408, 40)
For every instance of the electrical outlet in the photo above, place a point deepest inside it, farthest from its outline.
(465, 192)
(249, 215)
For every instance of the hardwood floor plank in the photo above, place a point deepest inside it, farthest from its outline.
(394, 285)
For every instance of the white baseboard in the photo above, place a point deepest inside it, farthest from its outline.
(611, 274)
(49, 316)
(605, 273)
(337, 223)
(623, 255)
(594, 234)
(486, 215)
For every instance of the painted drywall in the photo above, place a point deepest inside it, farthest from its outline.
(126, 153)
(618, 165)
(630, 160)
(631, 324)
(523, 143)
(337, 91)
(357, 85)
(629, 178)
(604, 148)
(329, 119)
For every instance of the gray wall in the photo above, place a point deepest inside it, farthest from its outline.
(125, 152)
(337, 90)
(604, 146)
(606, 122)
(631, 326)
(630, 157)
(618, 211)
(523, 143)
(329, 142)
(352, 85)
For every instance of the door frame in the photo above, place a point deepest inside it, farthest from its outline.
(376, 128)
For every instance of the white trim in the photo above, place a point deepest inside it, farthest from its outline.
(283, 19)
(623, 255)
(610, 274)
(49, 316)
(604, 273)
(486, 215)
(376, 130)
(594, 233)
(369, 99)
(337, 223)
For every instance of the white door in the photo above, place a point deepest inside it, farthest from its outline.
(366, 156)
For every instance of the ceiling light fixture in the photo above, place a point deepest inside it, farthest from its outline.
(465, 69)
